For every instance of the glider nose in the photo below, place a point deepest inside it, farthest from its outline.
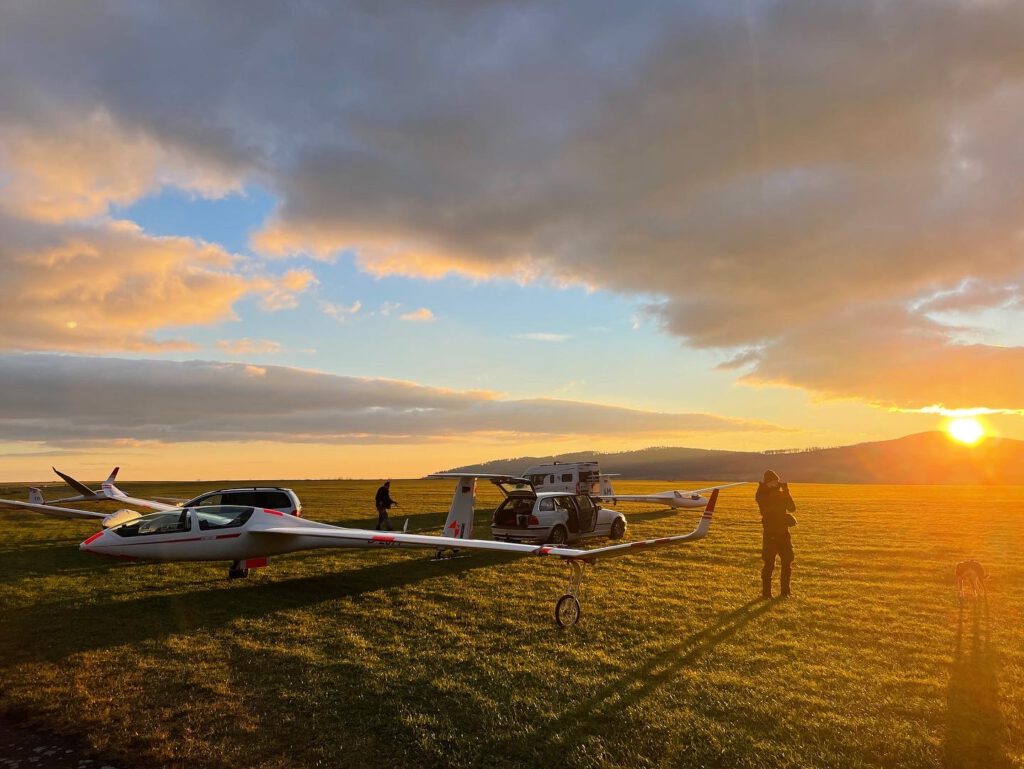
(86, 547)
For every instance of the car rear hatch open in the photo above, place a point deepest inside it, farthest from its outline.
(510, 485)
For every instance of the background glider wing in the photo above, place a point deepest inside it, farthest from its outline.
(52, 510)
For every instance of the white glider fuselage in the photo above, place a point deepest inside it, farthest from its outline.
(264, 533)
(674, 499)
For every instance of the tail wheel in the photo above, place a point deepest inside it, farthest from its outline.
(567, 611)
(558, 535)
(618, 530)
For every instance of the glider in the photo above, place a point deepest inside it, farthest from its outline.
(675, 498)
(275, 498)
(37, 503)
(249, 536)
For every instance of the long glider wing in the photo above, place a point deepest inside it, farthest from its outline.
(369, 538)
(53, 510)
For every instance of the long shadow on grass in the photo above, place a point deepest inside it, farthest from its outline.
(591, 714)
(54, 630)
(976, 732)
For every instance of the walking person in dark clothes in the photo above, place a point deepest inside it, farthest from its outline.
(384, 503)
(776, 507)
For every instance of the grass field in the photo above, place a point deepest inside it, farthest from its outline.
(383, 659)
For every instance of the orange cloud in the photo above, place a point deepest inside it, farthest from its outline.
(109, 286)
(78, 165)
(247, 346)
(422, 315)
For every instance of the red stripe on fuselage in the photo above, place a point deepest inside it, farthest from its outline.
(229, 536)
(273, 512)
(93, 538)
(160, 542)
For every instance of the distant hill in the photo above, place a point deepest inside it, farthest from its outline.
(929, 458)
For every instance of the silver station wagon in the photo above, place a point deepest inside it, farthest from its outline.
(552, 517)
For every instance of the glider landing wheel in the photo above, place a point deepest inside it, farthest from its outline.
(237, 571)
(567, 611)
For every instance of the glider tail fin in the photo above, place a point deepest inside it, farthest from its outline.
(35, 496)
(709, 511)
(459, 523)
(110, 491)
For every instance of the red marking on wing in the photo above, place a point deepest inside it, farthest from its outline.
(382, 538)
(93, 538)
(544, 550)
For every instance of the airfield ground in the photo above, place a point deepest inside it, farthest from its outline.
(383, 659)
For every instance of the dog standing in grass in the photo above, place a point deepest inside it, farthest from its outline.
(970, 579)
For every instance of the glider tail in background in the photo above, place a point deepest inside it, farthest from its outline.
(459, 524)
(35, 496)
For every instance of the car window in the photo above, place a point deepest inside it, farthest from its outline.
(223, 517)
(206, 500)
(564, 503)
(170, 522)
(584, 503)
(547, 505)
(567, 477)
(273, 500)
(242, 497)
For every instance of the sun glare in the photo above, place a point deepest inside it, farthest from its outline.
(965, 430)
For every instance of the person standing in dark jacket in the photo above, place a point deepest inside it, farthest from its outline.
(384, 503)
(776, 504)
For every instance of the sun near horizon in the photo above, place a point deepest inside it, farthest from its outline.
(966, 430)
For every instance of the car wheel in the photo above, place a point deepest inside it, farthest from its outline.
(567, 611)
(618, 530)
(558, 535)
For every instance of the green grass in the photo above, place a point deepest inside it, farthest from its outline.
(382, 659)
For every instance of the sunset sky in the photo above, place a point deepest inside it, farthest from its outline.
(259, 240)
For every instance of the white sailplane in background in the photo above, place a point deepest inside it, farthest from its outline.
(586, 478)
(273, 498)
(37, 503)
(674, 498)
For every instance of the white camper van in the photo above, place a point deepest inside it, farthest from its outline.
(567, 477)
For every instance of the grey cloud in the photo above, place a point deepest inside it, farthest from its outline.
(766, 171)
(63, 400)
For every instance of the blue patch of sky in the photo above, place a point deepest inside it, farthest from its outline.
(227, 221)
(479, 339)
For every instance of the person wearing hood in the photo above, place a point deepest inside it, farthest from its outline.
(384, 502)
(776, 505)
